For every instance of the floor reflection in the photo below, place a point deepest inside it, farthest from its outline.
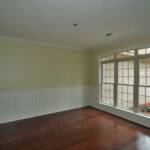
(143, 142)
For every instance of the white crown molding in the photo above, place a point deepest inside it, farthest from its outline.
(20, 39)
(124, 39)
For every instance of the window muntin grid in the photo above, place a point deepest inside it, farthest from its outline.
(144, 100)
(144, 71)
(144, 51)
(107, 94)
(126, 72)
(108, 83)
(131, 78)
(108, 73)
(125, 97)
(144, 86)
(125, 85)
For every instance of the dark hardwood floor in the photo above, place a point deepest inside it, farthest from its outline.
(79, 129)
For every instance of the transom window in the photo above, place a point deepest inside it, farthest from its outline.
(125, 80)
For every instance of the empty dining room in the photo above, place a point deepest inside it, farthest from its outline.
(74, 75)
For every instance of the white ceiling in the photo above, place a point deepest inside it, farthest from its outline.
(50, 21)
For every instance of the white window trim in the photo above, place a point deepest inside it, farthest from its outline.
(129, 115)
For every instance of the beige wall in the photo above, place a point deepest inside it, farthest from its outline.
(138, 42)
(25, 65)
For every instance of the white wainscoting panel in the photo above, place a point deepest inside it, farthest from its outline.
(20, 104)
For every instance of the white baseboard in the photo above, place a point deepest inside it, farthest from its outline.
(21, 104)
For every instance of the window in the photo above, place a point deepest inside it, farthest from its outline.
(125, 54)
(108, 83)
(125, 80)
(125, 84)
(144, 51)
(108, 57)
(144, 86)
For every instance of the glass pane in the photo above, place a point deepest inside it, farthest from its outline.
(125, 85)
(144, 71)
(126, 72)
(125, 54)
(108, 94)
(144, 51)
(144, 89)
(141, 51)
(144, 100)
(125, 97)
(108, 57)
(108, 73)
(148, 51)
(107, 83)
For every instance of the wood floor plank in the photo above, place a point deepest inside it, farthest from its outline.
(79, 129)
